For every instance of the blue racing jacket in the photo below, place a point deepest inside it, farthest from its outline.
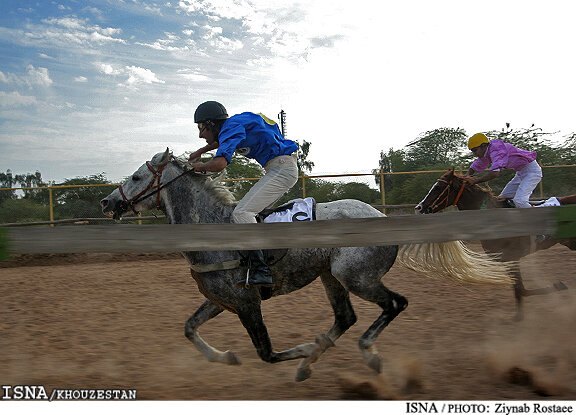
(254, 136)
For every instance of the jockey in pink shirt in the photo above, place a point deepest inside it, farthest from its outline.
(499, 155)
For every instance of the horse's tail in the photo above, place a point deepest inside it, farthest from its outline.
(454, 261)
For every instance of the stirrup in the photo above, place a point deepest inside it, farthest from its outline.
(246, 282)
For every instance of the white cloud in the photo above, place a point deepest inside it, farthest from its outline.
(67, 22)
(14, 99)
(80, 79)
(139, 76)
(136, 75)
(108, 69)
(191, 75)
(39, 76)
(63, 32)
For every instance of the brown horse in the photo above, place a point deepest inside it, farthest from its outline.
(456, 190)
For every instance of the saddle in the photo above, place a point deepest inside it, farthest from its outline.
(296, 210)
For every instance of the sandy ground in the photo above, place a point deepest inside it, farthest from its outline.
(98, 321)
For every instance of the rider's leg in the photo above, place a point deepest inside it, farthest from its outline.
(511, 188)
(281, 175)
(530, 177)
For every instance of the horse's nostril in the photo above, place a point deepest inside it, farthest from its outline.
(104, 202)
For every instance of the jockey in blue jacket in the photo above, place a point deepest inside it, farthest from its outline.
(257, 137)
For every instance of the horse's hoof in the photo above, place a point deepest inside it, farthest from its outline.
(560, 286)
(303, 373)
(230, 358)
(375, 363)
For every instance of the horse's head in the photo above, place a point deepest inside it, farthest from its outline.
(444, 193)
(132, 194)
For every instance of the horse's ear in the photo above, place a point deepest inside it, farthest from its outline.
(165, 157)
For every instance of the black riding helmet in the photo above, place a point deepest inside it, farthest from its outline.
(210, 110)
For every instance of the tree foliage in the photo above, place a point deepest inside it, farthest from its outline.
(80, 200)
(439, 149)
(9, 180)
(304, 165)
(446, 148)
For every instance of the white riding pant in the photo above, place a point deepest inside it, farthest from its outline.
(281, 175)
(523, 184)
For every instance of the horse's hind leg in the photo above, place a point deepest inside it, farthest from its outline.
(520, 291)
(371, 289)
(392, 304)
(251, 318)
(359, 270)
(207, 311)
(344, 318)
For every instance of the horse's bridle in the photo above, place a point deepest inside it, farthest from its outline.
(155, 185)
(157, 178)
(440, 199)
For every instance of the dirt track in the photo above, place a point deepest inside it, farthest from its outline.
(104, 323)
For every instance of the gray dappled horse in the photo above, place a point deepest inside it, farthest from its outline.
(188, 197)
(455, 190)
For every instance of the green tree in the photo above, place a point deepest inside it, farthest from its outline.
(81, 200)
(23, 210)
(33, 180)
(533, 139)
(390, 162)
(358, 191)
(242, 168)
(303, 163)
(439, 148)
(569, 149)
(7, 181)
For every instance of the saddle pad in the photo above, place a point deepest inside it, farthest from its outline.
(294, 211)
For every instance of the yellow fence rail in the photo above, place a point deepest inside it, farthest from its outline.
(303, 178)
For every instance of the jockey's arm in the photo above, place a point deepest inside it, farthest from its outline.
(215, 165)
(198, 153)
(486, 177)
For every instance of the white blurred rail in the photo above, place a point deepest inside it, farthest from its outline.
(466, 225)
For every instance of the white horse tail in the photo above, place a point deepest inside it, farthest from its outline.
(454, 261)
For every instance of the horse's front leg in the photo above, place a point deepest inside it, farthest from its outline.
(251, 319)
(207, 311)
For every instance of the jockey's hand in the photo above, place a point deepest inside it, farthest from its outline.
(194, 157)
(199, 167)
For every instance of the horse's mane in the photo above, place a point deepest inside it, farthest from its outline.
(213, 183)
(474, 187)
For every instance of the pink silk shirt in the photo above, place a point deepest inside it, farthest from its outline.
(501, 155)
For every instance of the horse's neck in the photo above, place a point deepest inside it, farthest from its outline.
(189, 201)
(567, 200)
(476, 199)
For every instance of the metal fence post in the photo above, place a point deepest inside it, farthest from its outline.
(382, 190)
(50, 202)
(303, 185)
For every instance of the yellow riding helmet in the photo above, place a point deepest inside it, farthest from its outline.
(476, 140)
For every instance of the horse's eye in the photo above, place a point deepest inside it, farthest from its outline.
(135, 178)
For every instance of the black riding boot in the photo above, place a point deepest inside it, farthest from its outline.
(259, 273)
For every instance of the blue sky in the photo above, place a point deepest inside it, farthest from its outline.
(89, 87)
